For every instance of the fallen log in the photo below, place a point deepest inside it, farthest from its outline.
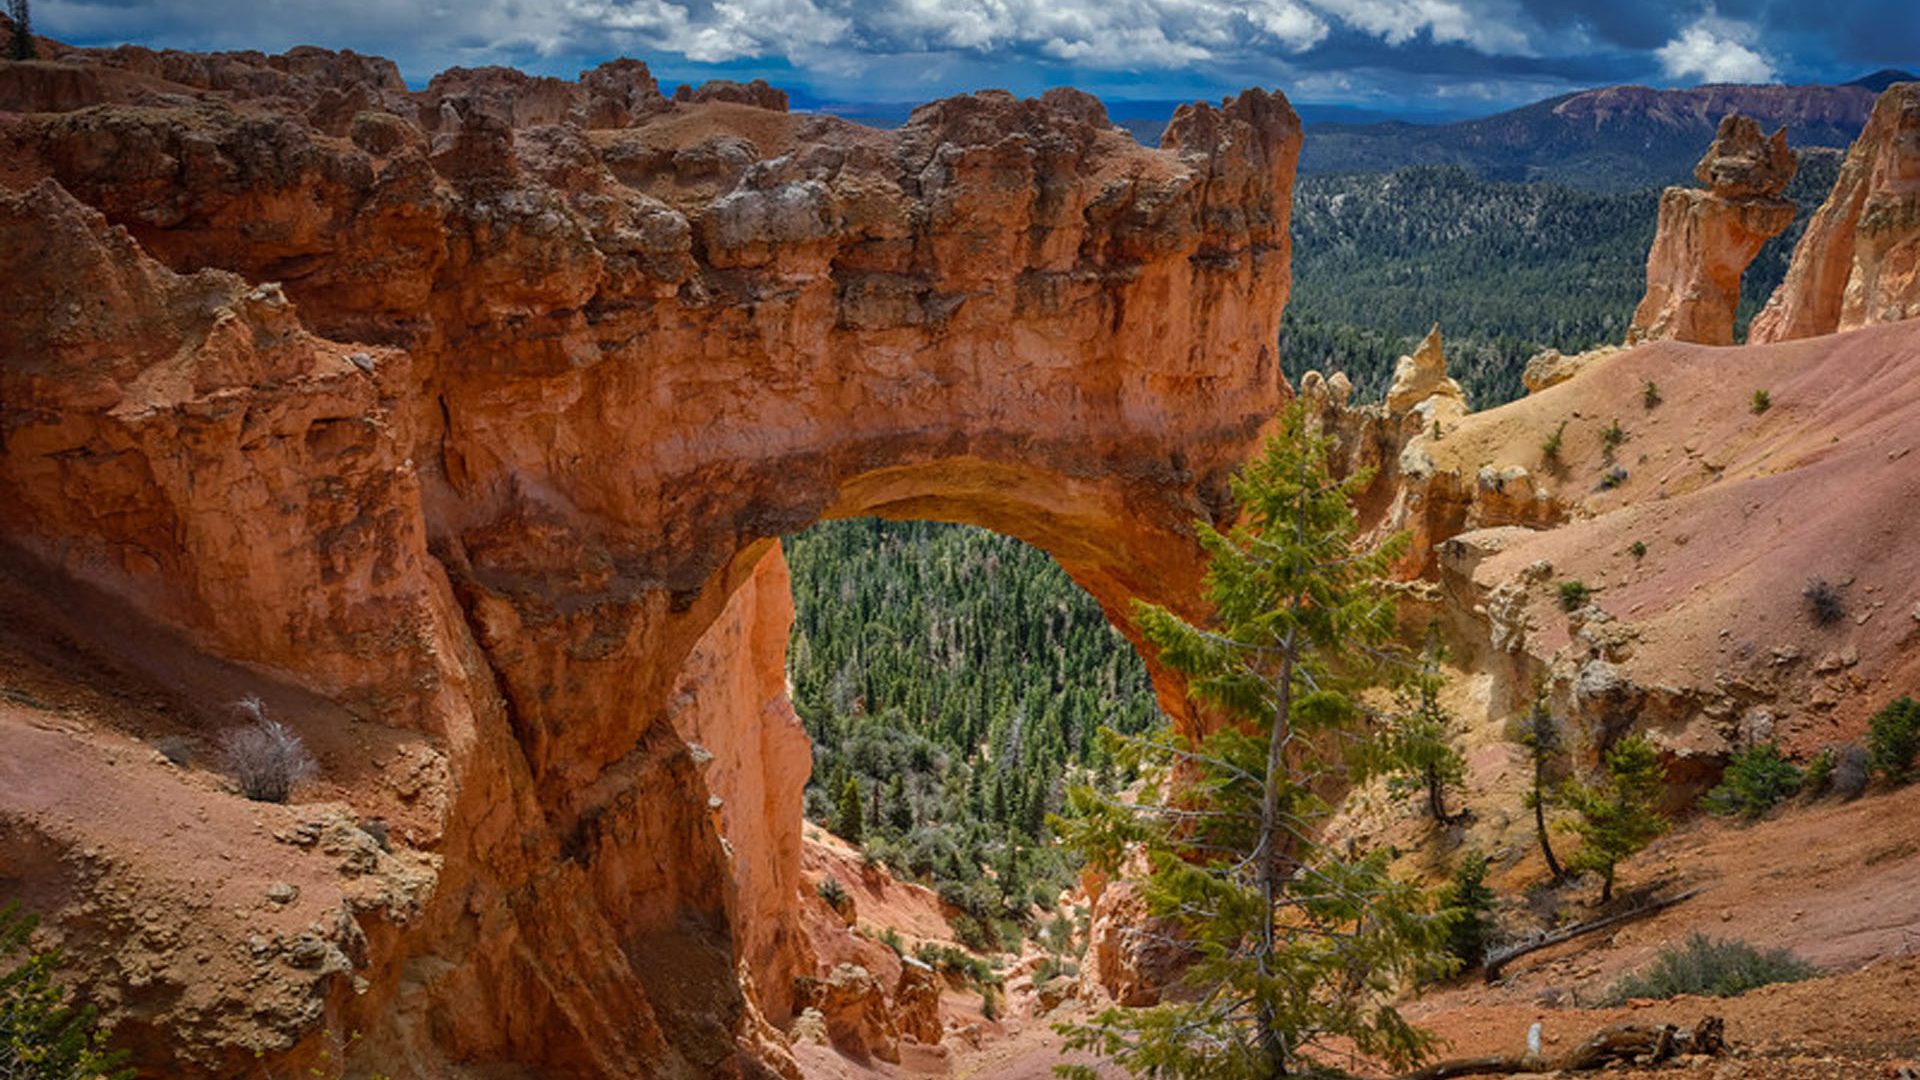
(1500, 958)
(1629, 1043)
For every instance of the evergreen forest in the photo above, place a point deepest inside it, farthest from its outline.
(953, 682)
(1506, 268)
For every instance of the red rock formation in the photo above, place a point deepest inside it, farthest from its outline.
(534, 521)
(1859, 261)
(916, 1003)
(756, 93)
(1705, 239)
(758, 770)
(854, 1006)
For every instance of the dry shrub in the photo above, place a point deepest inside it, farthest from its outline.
(265, 757)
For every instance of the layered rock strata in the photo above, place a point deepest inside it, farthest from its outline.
(1706, 238)
(478, 411)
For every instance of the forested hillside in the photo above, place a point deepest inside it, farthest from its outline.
(1506, 269)
(952, 677)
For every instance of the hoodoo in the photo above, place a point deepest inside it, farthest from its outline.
(1706, 238)
(465, 420)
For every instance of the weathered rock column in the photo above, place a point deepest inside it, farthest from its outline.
(1706, 238)
(1859, 262)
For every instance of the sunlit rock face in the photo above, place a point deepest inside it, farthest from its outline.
(1706, 238)
(478, 410)
(1859, 261)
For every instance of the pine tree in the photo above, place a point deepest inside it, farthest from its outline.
(40, 1038)
(23, 48)
(899, 808)
(1616, 814)
(1295, 945)
(1468, 897)
(846, 815)
(1540, 734)
(1415, 750)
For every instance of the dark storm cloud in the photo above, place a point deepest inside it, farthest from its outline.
(1365, 50)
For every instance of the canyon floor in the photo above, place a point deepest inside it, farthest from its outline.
(1838, 883)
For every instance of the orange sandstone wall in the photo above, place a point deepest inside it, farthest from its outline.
(1859, 261)
(477, 410)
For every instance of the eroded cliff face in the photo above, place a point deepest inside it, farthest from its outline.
(1859, 261)
(477, 411)
(1706, 238)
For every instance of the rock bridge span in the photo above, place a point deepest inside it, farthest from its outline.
(476, 412)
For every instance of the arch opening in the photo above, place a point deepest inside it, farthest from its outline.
(953, 681)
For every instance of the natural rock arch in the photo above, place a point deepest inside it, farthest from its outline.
(535, 518)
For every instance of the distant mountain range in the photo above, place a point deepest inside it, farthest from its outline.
(1615, 138)
(1145, 118)
(1611, 139)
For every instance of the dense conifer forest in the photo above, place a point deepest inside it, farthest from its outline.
(954, 678)
(1507, 269)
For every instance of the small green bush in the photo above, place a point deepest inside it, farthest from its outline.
(1762, 401)
(834, 893)
(978, 934)
(1574, 595)
(1614, 478)
(1893, 737)
(1611, 437)
(40, 1037)
(1818, 779)
(1710, 967)
(1650, 395)
(1637, 549)
(1550, 447)
(1757, 779)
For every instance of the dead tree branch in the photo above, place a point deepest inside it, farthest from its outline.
(1498, 959)
(1627, 1043)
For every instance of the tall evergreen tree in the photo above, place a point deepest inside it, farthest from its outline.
(1540, 734)
(846, 815)
(22, 47)
(899, 809)
(1616, 813)
(1295, 944)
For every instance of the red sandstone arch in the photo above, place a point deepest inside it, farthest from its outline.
(534, 518)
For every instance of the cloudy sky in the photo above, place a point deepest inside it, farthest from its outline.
(1459, 57)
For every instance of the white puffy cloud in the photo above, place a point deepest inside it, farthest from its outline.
(1101, 33)
(862, 46)
(1488, 27)
(1716, 50)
